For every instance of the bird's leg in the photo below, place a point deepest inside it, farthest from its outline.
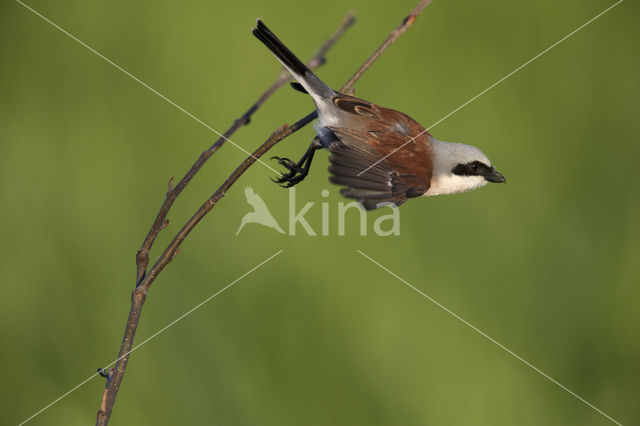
(297, 171)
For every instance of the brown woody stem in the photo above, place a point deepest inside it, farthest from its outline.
(397, 32)
(144, 276)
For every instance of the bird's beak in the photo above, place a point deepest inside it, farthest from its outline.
(495, 176)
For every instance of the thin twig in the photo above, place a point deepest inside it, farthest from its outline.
(145, 278)
(400, 29)
(276, 137)
(168, 254)
(142, 257)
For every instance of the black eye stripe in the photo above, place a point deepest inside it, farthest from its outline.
(460, 170)
(475, 168)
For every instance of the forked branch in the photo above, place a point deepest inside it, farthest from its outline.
(144, 276)
(142, 258)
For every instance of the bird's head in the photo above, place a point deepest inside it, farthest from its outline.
(459, 168)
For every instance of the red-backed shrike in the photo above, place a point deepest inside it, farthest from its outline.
(381, 155)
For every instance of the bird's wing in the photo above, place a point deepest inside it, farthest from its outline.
(404, 173)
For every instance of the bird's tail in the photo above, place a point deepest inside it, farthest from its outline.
(313, 85)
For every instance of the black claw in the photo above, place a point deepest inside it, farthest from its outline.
(292, 180)
(287, 180)
(296, 171)
(283, 178)
(289, 165)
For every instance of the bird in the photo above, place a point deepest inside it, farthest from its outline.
(381, 156)
(260, 213)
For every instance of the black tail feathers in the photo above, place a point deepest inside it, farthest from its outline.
(264, 34)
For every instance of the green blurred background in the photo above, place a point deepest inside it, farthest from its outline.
(547, 264)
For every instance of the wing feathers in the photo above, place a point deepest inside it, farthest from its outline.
(380, 183)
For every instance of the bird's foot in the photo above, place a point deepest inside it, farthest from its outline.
(295, 175)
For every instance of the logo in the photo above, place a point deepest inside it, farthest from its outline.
(384, 225)
(260, 213)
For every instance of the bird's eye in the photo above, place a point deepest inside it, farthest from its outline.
(474, 166)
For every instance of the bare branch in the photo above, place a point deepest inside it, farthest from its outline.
(142, 257)
(400, 29)
(145, 278)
